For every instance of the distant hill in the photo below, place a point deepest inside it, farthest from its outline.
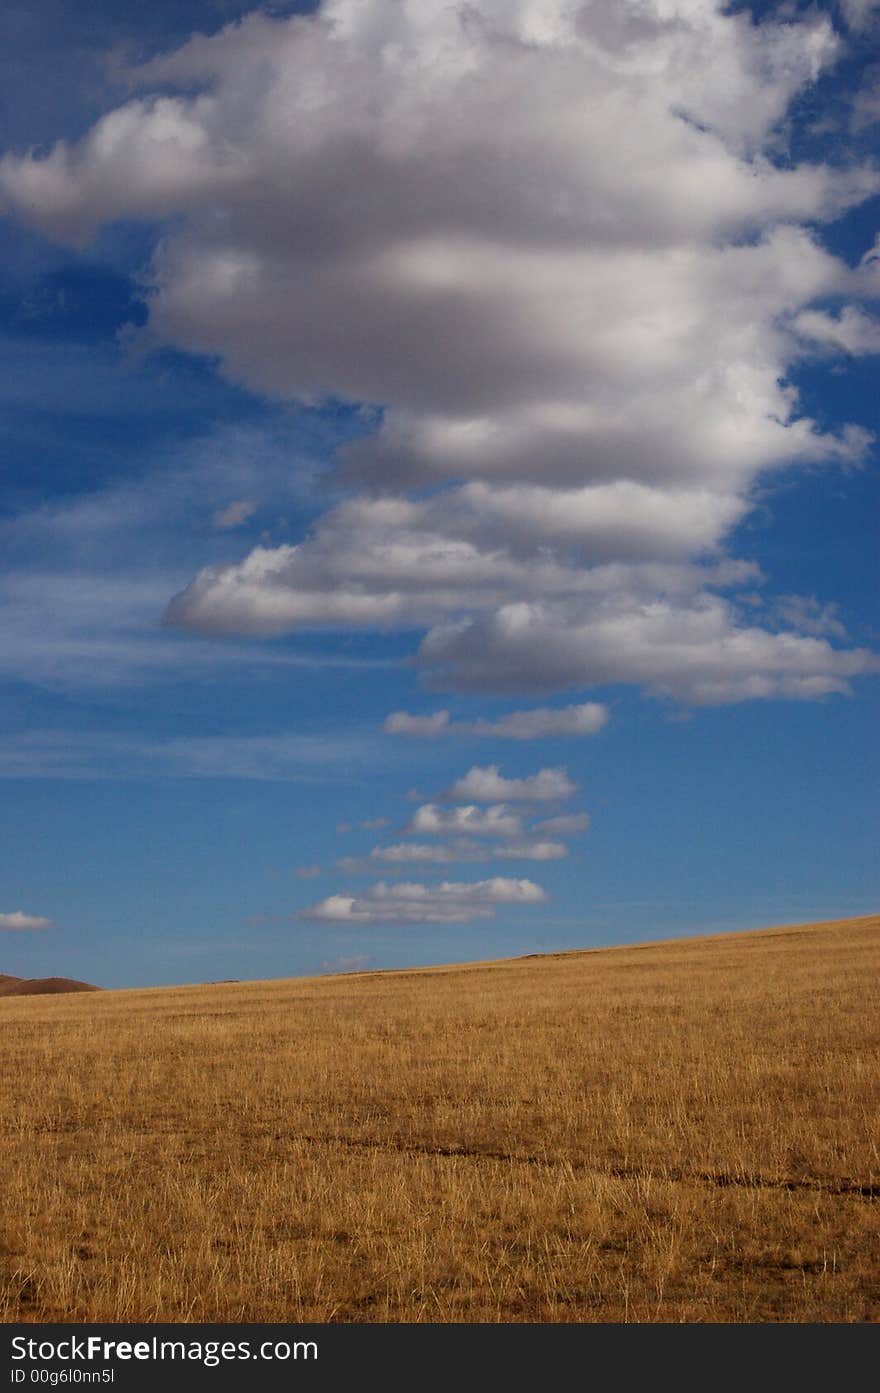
(41, 986)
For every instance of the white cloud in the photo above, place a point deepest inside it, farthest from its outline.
(233, 515)
(422, 727)
(588, 718)
(394, 564)
(87, 576)
(422, 853)
(353, 962)
(554, 244)
(90, 754)
(19, 920)
(808, 615)
(487, 784)
(411, 903)
(566, 825)
(369, 824)
(866, 103)
(469, 820)
(532, 851)
(307, 872)
(860, 14)
(460, 851)
(696, 652)
(852, 330)
(541, 722)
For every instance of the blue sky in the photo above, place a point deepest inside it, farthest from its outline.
(439, 496)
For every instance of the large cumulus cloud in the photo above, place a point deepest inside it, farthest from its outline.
(552, 242)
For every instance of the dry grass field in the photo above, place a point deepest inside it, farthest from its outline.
(685, 1131)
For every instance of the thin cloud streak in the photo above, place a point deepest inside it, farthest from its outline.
(540, 723)
(407, 902)
(76, 755)
(18, 920)
(486, 784)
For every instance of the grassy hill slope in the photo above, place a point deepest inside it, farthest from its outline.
(680, 1131)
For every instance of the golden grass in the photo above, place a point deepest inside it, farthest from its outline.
(684, 1131)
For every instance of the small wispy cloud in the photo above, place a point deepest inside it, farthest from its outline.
(17, 919)
(539, 723)
(280, 757)
(225, 519)
(478, 831)
(532, 851)
(566, 825)
(488, 785)
(860, 14)
(369, 824)
(355, 962)
(494, 821)
(408, 902)
(809, 615)
(852, 331)
(460, 851)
